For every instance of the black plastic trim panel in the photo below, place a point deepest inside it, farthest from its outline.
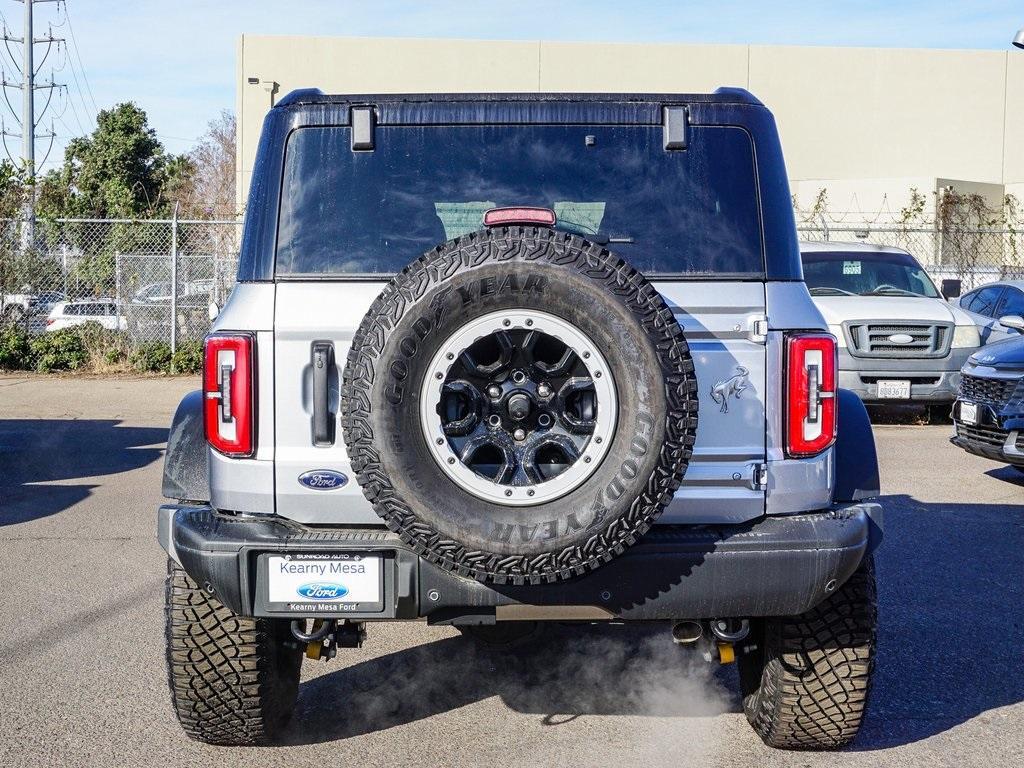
(774, 566)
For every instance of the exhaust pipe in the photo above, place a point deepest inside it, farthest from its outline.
(687, 632)
(730, 630)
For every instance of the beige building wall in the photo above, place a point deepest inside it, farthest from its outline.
(866, 123)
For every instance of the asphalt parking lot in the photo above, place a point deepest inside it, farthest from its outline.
(82, 678)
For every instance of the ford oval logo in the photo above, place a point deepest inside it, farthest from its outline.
(322, 590)
(323, 479)
(901, 338)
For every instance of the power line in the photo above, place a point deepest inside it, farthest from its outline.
(78, 55)
(89, 121)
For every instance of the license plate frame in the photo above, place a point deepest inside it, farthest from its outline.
(361, 574)
(969, 413)
(894, 389)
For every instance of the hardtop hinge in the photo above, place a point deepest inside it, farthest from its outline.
(759, 329)
(675, 123)
(364, 121)
(759, 476)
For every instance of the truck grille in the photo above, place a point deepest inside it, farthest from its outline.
(989, 436)
(995, 392)
(927, 339)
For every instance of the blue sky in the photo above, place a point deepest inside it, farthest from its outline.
(176, 58)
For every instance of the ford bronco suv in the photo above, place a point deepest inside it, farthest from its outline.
(503, 359)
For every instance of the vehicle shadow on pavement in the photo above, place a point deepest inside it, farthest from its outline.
(951, 602)
(951, 605)
(38, 458)
(1007, 474)
(563, 673)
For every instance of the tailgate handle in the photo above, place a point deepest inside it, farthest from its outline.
(323, 419)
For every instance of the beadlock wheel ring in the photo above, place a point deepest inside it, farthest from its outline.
(494, 422)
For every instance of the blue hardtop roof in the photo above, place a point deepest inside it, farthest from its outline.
(724, 95)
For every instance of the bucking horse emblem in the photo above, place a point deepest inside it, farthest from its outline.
(731, 387)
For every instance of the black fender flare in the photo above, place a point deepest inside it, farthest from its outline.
(187, 460)
(856, 459)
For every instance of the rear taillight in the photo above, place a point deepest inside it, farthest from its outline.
(228, 387)
(810, 393)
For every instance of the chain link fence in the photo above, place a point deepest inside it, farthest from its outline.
(125, 293)
(974, 256)
(132, 290)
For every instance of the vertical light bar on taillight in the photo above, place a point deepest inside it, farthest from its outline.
(810, 393)
(228, 387)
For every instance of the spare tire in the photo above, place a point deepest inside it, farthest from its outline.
(519, 405)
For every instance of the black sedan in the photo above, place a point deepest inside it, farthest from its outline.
(989, 412)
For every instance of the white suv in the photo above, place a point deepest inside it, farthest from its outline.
(66, 314)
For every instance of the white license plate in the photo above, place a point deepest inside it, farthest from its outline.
(894, 389)
(969, 413)
(327, 580)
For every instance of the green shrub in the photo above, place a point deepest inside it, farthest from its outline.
(152, 356)
(14, 348)
(61, 350)
(103, 346)
(188, 358)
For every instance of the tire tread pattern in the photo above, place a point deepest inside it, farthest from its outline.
(816, 678)
(526, 244)
(233, 680)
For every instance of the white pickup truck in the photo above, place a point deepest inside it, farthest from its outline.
(899, 340)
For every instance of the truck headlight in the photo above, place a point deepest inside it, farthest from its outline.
(837, 331)
(966, 336)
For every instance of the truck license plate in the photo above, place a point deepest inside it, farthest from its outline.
(894, 389)
(968, 413)
(324, 579)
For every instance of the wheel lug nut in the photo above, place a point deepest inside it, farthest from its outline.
(544, 390)
(519, 434)
(494, 391)
(518, 377)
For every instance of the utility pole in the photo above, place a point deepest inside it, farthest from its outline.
(28, 103)
(28, 87)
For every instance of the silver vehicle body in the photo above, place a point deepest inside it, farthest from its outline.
(932, 366)
(734, 328)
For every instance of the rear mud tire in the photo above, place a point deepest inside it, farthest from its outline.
(807, 683)
(233, 680)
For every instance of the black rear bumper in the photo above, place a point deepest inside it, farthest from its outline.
(776, 566)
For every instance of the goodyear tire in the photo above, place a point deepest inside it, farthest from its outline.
(519, 405)
(233, 680)
(807, 679)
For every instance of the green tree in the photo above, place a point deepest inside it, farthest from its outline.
(118, 171)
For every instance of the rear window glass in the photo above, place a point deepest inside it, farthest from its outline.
(681, 212)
